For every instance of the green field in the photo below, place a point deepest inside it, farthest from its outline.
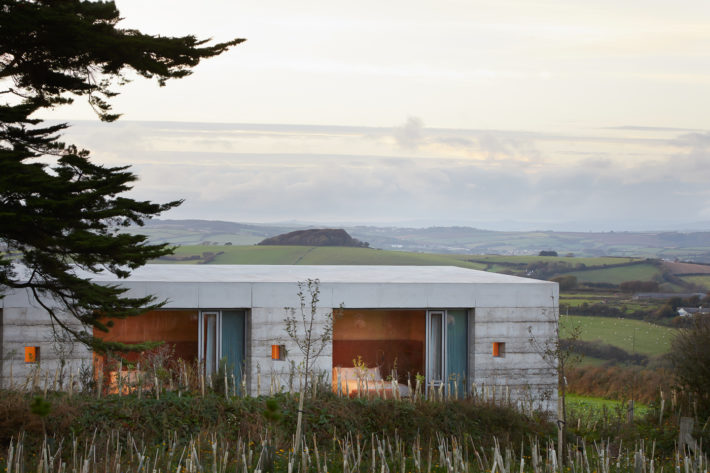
(474, 243)
(527, 259)
(617, 275)
(247, 254)
(702, 281)
(623, 301)
(310, 255)
(179, 237)
(223, 238)
(595, 408)
(319, 255)
(497, 268)
(253, 254)
(631, 335)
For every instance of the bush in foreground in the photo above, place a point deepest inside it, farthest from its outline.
(185, 416)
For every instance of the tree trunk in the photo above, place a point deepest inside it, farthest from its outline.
(561, 421)
(299, 423)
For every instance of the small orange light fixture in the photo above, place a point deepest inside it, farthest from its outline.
(31, 354)
(278, 352)
(498, 349)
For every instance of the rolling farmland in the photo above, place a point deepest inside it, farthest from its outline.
(631, 335)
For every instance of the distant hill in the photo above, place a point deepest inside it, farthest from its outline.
(682, 246)
(315, 237)
(599, 273)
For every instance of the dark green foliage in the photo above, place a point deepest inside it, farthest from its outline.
(188, 415)
(52, 48)
(670, 309)
(545, 269)
(666, 311)
(272, 410)
(606, 310)
(315, 237)
(604, 351)
(639, 286)
(40, 406)
(61, 215)
(690, 357)
(566, 283)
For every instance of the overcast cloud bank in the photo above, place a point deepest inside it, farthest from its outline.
(625, 178)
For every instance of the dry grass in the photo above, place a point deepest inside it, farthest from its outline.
(114, 452)
(619, 382)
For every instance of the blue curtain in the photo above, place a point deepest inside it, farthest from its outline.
(233, 326)
(456, 349)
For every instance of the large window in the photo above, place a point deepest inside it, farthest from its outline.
(177, 328)
(205, 336)
(431, 343)
(390, 340)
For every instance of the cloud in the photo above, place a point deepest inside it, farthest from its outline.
(525, 176)
(502, 147)
(367, 189)
(651, 129)
(411, 134)
(698, 142)
(456, 142)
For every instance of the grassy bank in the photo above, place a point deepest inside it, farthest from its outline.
(632, 335)
(186, 415)
(216, 434)
(596, 408)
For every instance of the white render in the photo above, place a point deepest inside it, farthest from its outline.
(503, 308)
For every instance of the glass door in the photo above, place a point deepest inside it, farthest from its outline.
(447, 350)
(435, 349)
(222, 340)
(209, 343)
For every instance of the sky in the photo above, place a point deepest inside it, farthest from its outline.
(567, 115)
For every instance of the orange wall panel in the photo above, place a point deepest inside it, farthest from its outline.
(177, 328)
(156, 325)
(376, 324)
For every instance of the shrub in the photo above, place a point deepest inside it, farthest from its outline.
(690, 358)
(639, 286)
(187, 416)
(604, 351)
(566, 283)
(619, 382)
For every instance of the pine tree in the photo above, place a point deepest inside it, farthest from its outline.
(63, 217)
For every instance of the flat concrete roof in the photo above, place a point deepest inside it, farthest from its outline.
(325, 273)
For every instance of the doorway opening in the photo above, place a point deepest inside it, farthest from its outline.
(222, 337)
(373, 345)
(447, 350)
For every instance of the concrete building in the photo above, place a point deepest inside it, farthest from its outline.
(442, 323)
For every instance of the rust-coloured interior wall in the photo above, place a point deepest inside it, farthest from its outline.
(382, 338)
(177, 328)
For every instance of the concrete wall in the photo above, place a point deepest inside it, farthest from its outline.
(512, 313)
(181, 295)
(522, 371)
(59, 360)
(267, 328)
